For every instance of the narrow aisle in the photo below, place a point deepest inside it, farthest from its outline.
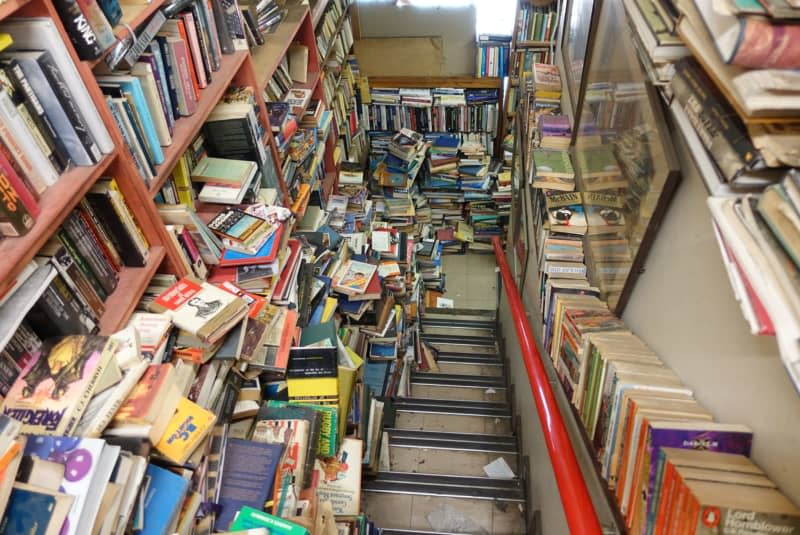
(456, 421)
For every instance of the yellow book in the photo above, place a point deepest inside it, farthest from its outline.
(183, 182)
(330, 305)
(464, 232)
(347, 379)
(186, 430)
(5, 40)
(322, 390)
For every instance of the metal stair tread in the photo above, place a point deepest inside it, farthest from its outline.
(483, 488)
(390, 531)
(456, 380)
(449, 406)
(478, 442)
(458, 340)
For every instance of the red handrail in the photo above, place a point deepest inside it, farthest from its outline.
(578, 506)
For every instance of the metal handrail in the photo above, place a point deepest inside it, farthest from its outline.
(578, 507)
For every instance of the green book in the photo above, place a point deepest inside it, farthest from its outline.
(328, 433)
(223, 171)
(553, 163)
(249, 518)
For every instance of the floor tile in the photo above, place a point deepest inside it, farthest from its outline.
(452, 515)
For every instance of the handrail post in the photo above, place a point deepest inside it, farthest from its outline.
(578, 507)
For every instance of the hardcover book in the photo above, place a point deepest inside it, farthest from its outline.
(162, 501)
(50, 397)
(251, 519)
(353, 277)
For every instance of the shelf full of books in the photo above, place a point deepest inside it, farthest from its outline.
(741, 138)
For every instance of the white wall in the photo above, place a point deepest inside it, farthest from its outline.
(456, 26)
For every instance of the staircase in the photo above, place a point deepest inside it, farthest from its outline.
(456, 421)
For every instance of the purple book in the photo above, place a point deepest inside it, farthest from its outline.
(151, 60)
(724, 438)
(554, 124)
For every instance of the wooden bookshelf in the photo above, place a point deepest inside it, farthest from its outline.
(133, 15)
(335, 34)
(10, 6)
(268, 56)
(132, 283)
(465, 82)
(55, 203)
(534, 44)
(318, 11)
(187, 127)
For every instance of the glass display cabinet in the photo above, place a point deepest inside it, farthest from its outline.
(625, 164)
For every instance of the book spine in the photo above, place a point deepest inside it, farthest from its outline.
(79, 30)
(190, 62)
(209, 17)
(58, 312)
(101, 235)
(115, 401)
(68, 268)
(111, 10)
(121, 207)
(118, 233)
(74, 288)
(196, 259)
(141, 166)
(170, 109)
(8, 174)
(59, 156)
(20, 142)
(88, 249)
(89, 391)
(98, 22)
(203, 38)
(135, 130)
(221, 24)
(161, 89)
(15, 220)
(82, 264)
(193, 42)
(183, 76)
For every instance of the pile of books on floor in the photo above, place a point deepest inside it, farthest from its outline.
(670, 466)
(265, 377)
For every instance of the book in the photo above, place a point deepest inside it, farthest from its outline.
(248, 476)
(35, 510)
(200, 308)
(162, 500)
(51, 396)
(223, 171)
(250, 518)
(339, 478)
(240, 231)
(282, 410)
(298, 62)
(565, 212)
(353, 277)
(298, 99)
(185, 431)
(293, 436)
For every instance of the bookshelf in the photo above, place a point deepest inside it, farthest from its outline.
(267, 57)
(133, 15)
(187, 127)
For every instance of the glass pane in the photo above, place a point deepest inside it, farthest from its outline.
(578, 20)
(620, 155)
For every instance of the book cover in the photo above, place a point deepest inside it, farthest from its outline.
(186, 430)
(353, 277)
(339, 478)
(149, 395)
(223, 171)
(248, 476)
(200, 308)
(50, 397)
(250, 518)
(298, 98)
(565, 212)
(162, 502)
(293, 436)
(282, 410)
(85, 471)
(35, 510)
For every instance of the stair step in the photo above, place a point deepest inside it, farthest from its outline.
(458, 340)
(460, 313)
(464, 357)
(389, 531)
(455, 380)
(455, 407)
(481, 488)
(468, 368)
(458, 331)
(411, 438)
(459, 323)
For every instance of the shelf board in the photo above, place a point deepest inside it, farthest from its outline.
(466, 82)
(134, 13)
(132, 283)
(8, 8)
(187, 127)
(55, 203)
(268, 56)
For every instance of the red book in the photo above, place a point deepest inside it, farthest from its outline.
(25, 195)
(191, 64)
(194, 45)
(183, 77)
(294, 256)
(373, 290)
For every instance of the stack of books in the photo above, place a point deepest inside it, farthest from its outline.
(491, 58)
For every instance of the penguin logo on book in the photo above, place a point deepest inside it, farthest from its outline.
(204, 308)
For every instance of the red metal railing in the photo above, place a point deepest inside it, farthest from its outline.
(578, 506)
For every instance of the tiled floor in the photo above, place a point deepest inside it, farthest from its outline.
(471, 281)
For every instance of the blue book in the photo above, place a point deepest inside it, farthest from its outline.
(247, 477)
(375, 374)
(265, 255)
(29, 513)
(163, 501)
(131, 86)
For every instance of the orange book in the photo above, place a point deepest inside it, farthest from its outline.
(149, 396)
(192, 72)
(676, 514)
(668, 489)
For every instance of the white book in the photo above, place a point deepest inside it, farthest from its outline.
(40, 34)
(15, 134)
(144, 72)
